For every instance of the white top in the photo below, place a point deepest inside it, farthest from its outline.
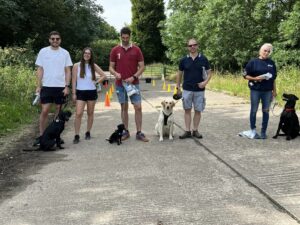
(54, 63)
(85, 83)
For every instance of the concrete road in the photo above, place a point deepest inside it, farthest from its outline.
(221, 179)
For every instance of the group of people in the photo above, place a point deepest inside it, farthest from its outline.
(54, 79)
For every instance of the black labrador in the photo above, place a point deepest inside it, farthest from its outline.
(51, 135)
(116, 136)
(289, 122)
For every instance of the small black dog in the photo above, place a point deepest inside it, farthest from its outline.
(289, 122)
(116, 136)
(51, 135)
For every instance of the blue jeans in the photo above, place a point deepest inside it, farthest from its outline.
(123, 97)
(266, 98)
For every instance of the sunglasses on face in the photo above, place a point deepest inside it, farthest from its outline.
(192, 45)
(55, 39)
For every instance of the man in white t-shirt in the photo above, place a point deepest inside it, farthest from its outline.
(53, 78)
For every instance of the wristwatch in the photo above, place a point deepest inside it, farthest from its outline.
(68, 85)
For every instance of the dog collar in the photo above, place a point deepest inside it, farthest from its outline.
(289, 109)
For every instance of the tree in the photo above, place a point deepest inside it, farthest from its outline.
(78, 21)
(180, 26)
(146, 17)
(230, 32)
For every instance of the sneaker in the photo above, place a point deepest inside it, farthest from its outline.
(186, 134)
(76, 139)
(197, 134)
(87, 135)
(140, 136)
(125, 135)
(37, 141)
(263, 135)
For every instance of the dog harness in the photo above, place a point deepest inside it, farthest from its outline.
(166, 118)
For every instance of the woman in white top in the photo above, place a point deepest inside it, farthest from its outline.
(84, 90)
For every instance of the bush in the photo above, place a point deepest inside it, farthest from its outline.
(102, 50)
(21, 56)
(17, 85)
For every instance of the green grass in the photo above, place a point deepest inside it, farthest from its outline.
(17, 86)
(288, 81)
(15, 114)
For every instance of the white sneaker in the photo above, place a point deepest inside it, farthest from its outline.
(251, 134)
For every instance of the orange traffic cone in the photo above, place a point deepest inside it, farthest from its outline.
(107, 100)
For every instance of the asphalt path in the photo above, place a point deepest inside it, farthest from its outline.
(220, 179)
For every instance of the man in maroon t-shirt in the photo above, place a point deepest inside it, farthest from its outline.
(127, 64)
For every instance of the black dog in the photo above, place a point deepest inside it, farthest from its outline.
(289, 122)
(51, 135)
(116, 136)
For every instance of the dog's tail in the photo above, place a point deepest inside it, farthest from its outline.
(109, 140)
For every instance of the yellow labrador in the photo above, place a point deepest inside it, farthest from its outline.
(165, 123)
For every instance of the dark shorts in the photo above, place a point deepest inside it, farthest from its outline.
(53, 95)
(86, 95)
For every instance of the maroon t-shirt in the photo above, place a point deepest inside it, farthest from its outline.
(126, 61)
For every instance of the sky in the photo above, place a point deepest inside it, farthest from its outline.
(117, 12)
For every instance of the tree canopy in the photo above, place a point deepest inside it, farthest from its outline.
(78, 21)
(230, 32)
(146, 17)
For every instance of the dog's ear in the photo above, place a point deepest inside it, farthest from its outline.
(163, 103)
(296, 98)
(172, 103)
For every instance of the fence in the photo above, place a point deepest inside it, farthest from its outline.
(160, 71)
(155, 71)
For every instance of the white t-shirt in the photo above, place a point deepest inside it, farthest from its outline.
(53, 63)
(85, 83)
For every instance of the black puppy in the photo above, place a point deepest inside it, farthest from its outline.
(289, 123)
(116, 136)
(51, 135)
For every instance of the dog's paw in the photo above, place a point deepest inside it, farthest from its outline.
(61, 147)
(171, 138)
(288, 138)
(275, 136)
(161, 139)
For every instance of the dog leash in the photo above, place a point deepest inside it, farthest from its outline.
(62, 107)
(274, 103)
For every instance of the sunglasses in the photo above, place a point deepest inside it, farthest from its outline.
(192, 45)
(55, 39)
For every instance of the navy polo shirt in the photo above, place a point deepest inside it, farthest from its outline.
(192, 71)
(257, 67)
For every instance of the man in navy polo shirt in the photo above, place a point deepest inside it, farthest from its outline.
(196, 73)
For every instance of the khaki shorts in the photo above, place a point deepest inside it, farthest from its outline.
(193, 98)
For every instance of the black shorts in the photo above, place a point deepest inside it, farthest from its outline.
(53, 95)
(86, 95)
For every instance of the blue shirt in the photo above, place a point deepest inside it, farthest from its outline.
(257, 67)
(192, 71)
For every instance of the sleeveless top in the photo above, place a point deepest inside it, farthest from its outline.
(85, 83)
